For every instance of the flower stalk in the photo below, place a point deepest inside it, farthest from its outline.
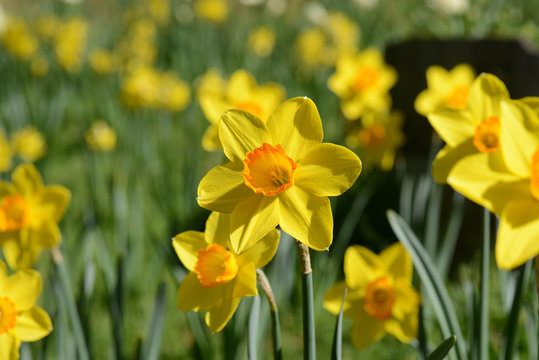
(276, 329)
(483, 309)
(309, 342)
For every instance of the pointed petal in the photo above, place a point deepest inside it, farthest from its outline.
(210, 139)
(366, 329)
(23, 288)
(361, 266)
(517, 242)
(45, 234)
(186, 245)
(327, 170)
(53, 201)
(448, 157)
(27, 179)
(485, 96)
(9, 347)
(453, 126)
(306, 218)
(20, 257)
(245, 282)
(251, 220)
(407, 300)
(194, 297)
(333, 298)
(218, 229)
(242, 132)
(218, 316)
(240, 83)
(262, 251)
(33, 324)
(405, 330)
(223, 188)
(296, 126)
(398, 262)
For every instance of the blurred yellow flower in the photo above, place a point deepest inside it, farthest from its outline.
(362, 82)
(101, 137)
(377, 138)
(70, 43)
(213, 10)
(47, 26)
(20, 320)
(29, 216)
(29, 143)
(216, 95)
(219, 276)
(173, 94)
(279, 173)
(310, 47)
(159, 10)
(19, 40)
(103, 61)
(445, 89)
(39, 67)
(475, 129)
(261, 41)
(380, 296)
(6, 153)
(137, 48)
(507, 181)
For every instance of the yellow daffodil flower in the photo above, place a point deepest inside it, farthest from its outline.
(475, 129)
(362, 82)
(101, 137)
(216, 95)
(18, 39)
(103, 61)
(261, 41)
(29, 216)
(6, 153)
(69, 44)
(212, 10)
(377, 138)
(29, 143)
(279, 173)
(20, 319)
(219, 276)
(507, 182)
(445, 89)
(380, 296)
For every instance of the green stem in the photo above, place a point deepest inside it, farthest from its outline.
(309, 342)
(80, 341)
(276, 328)
(483, 308)
(336, 352)
(254, 320)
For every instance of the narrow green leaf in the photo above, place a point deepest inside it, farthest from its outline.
(484, 296)
(442, 350)
(431, 281)
(254, 317)
(152, 341)
(336, 353)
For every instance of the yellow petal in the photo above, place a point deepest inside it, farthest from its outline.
(361, 266)
(9, 347)
(453, 126)
(262, 251)
(327, 170)
(296, 126)
(245, 282)
(18, 256)
(27, 179)
(3, 272)
(223, 188)
(532, 102)
(241, 132)
(398, 262)
(6, 188)
(404, 330)
(333, 298)
(485, 96)
(218, 316)
(186, 245)
(53, 201)
(366, 329)
(252, 219)
(210, 139)
(33, 324)
(518, 140)
(426, 102)
(213, 106)
(23, 288)
(306, 218)
(192, 296)
(218, 229)
(448, 157)
(45, 234)
(517, 242)
(240, 84)
(407, 300)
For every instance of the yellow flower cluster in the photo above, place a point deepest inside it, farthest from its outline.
(28, 143)
(19, 40)
(69, 44)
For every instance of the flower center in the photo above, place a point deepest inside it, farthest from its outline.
(215, 265)
(251, 106)
(458, 97)
(267, 170)
(372, 136)
(8, 314)
(487, 135)
(13, 213)
(366, 78)
(379, 298)
(535, 174)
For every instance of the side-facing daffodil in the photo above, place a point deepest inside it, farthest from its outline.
(445, 89)
(475, 129)
(219, 277)
(508, 184)
(362, 82)
(380, 296)
(241, 91)
(29, 216)
(20, 319)
(279, 173)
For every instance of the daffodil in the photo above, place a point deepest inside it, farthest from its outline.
(219, 276)
(507, 182)
(445, 89)
(261, 41)
(20, 319)
(70, 42)
(101, 136)
(362, 82)
(28, 143)
(377, 138)
(472, 130)
(380, 296)
(279, 173)
(241, 91)
(212, 10)
(103, 61)
(29, 216)
(6, 153)
(18, 39)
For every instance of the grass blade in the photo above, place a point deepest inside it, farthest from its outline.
(152, 342)
(336, 352)
(484, 296)
(442, 350)
(254, 317)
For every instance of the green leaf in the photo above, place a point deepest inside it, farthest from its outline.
(152, 341)
(336, 353)
(442, 350)
(254, 318)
